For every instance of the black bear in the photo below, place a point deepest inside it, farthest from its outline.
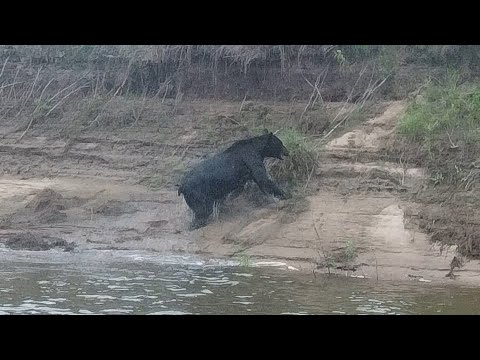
(213, 179)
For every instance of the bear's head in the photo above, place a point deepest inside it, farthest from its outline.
(274, 147)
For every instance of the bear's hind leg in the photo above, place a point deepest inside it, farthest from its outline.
(202, 209)
(201, 214)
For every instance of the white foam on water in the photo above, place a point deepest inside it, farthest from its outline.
(85, 312)
(117, 287)
(131, 298)
(46, 302)
(292, 313)
(175, 288)
(32, 308)
(170, 312)
(245, 275)
(190, 295)
(116, 311)
(98, 297)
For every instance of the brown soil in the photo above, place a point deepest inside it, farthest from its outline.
(36, 242)
(116, 189)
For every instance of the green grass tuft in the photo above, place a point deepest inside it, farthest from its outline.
(297, 167)
(444, 111)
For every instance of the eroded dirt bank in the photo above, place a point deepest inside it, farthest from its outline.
(107, 189)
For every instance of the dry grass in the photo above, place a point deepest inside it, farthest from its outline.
(38, 82)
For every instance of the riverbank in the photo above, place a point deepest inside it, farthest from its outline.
(114, 188)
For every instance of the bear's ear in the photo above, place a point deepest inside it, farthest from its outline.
(265, 131)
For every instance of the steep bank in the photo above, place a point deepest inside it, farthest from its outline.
(116, 189)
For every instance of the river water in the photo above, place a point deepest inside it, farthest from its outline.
(134, 282)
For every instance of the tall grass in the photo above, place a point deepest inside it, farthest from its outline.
(39, 82)
(443, 125)
(288, 54)
(444, 110)
(169, 70)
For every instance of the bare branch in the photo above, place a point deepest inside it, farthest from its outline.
(12, 89)
(451, 142)
(70, 93)
(64, 89)
(316, 91)
(140, 111)
(243, 102)
(127, 74)
(48, 113)
(45, 87)
(3, 67)
(12, 84)
(33, 86)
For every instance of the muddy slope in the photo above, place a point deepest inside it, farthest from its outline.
(116, 190)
